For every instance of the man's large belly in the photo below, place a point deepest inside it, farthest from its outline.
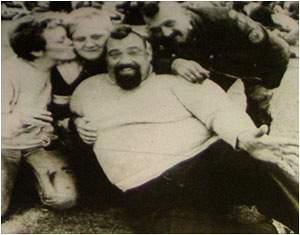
(133, 154)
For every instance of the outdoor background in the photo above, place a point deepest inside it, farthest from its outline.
(99, 212)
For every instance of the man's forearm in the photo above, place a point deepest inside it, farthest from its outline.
(280, 154)
(230, 123)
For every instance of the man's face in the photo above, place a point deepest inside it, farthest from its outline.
(58, 46)
(128, 61)
(171, 23)
(89, 40)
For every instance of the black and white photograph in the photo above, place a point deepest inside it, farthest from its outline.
(149, 117)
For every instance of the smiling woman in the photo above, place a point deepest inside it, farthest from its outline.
(89, 29)
(88, 45)
(89, 41)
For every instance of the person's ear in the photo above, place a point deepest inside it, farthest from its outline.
(37, 54)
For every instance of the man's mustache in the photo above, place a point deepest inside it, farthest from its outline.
(174, 34)
(160, 38)
(169, 40)
(125, 66)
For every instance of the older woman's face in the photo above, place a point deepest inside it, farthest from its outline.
(89, 40)
(58, 46)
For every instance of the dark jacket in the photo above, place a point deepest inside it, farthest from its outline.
(227, 42)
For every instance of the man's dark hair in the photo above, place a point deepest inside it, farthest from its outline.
(123, 31)
(61, 6)
(27, 38)
(150, 9)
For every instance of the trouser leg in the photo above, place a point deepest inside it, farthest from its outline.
(258, 103)
(198, 196)
(281, 201)
(85, 164)
(10, 161)
(56, 183)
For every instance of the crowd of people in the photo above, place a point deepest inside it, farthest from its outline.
(141, 86)
(281, 16)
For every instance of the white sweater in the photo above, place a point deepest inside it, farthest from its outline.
(146, 131)
(23, 87)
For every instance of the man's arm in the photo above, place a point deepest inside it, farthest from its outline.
(85, 128)
(279, 157)
(15, 122)
(10, 125)
(211, 106)
(244, 47)
(280, 153)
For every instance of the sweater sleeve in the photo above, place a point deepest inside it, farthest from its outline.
(84, 93)
(10, 120)
(211, 106)
(78, 99)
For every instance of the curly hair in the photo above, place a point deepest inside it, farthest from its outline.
(122, 31)
(150, 9)
(27, 36)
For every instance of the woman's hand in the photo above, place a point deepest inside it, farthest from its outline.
(86, 130)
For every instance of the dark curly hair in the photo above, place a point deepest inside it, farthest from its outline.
(123, 31)
(27, 38)
(150, 9)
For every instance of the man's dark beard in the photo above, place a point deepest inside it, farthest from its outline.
(128, 82)
(167, 40)
(174, 34)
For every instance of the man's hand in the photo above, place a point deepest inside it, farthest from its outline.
(282, 152)
(190, 70)
(33, 117)
(86, 130)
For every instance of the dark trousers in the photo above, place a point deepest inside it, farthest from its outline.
(201, 196)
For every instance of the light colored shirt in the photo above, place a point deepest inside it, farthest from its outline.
(23, 87)
(145, 131)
